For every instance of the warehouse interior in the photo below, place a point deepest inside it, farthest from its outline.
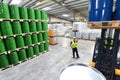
(39, 39)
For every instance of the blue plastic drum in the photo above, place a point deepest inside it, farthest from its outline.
(117, 11)
(100, 10)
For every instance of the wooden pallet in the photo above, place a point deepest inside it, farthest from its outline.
(22, 20)
(53, 43)
(11, 66)
(1, 69)
(104, 25)
(23, 34)
(75, 30)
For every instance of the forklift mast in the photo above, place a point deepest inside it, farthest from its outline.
(106, 53)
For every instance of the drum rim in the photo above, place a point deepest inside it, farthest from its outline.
(84, 65)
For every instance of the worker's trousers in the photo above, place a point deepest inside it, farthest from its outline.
(75, 51)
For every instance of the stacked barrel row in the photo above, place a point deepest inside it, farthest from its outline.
(103, 10)
(8, 28)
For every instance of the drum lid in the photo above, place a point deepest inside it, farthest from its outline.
(80, 71)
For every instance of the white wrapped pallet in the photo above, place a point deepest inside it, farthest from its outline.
(78, 35)
(61, 31)
(85, 35)
(79, 26)
(67, 32)
(71, 34)
(94, 34)
(85, 32)
(51, 26)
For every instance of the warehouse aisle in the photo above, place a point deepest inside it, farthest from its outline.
(48, 65)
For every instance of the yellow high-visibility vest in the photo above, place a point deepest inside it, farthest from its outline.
(74, 44)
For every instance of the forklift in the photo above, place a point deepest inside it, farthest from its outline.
(106, 55)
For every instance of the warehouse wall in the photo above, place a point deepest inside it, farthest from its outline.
(64, 22)
(53, 19)
(68, 24)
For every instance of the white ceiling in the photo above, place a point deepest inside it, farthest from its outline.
(78, 8)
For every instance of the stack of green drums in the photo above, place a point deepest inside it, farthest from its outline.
(31, 15)
(26, 29)
(39, 28)
(3, 57)
(21, 47)
(7, 31)
(45, 28)
(14, 13)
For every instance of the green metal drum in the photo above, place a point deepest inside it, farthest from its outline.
(14, 12)
(41, 48)
(23, 13)
(46, 46)
(37, 14)
(30, 52)
(45, 36)
(10, 45)
(31, 13)
(38, 17)
(4, 11)
(4, 61)
(36, 49)
(13, 58)
(28, 42)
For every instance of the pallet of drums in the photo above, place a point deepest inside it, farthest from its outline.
(23, 34)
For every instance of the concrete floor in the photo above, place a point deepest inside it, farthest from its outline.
(49, 65)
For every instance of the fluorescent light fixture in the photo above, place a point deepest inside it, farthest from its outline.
(46, 8)
(38, 3)
(63, 4)
(16, 1)
(65, 15)
(41, 2)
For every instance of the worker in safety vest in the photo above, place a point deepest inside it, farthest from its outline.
(74, 46)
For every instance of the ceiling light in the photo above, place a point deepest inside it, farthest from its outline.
(63, 4)
(41, 2)
(16, 2)
(65, 15)
(38, 3)
(46, 8)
